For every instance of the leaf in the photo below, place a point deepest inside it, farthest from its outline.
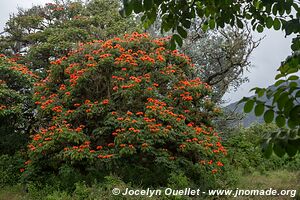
(288, 106)
(172, 44)
(137, 6)
(276, 24)
(148, 4)
(248, 106)
(269, 116)
(178, 39)
(292, 124)
(181, 32)
(269, 22)
(284, 97)
(278, 76)
(293, 78)
(279, 149)
(291, 150)
(280, 121)
(212, 24)
(279, 82)
(239, 23)
(186, 23)
(260, 28)
(295, 113)
(260, 92)
(275, 9)
(259, 109)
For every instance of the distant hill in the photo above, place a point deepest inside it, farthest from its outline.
(249, 118)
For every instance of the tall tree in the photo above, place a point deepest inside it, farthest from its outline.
(44, 33)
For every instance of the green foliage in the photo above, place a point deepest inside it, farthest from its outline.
(125, 102)
(279, 15)
(10, 169)
(246, 154)
(16, 104)
(43, 33)
(178, 14)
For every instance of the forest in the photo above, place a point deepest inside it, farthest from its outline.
(109, 99)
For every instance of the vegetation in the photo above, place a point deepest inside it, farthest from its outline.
(284, 110)
(89, 103)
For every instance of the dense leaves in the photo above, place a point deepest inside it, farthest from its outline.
(41, 34)
(178, 14)
(261, 14)
(15, 104)
(124, 101)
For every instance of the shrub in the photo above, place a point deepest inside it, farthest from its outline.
(245, 152)
(10, 169)
(121, 103)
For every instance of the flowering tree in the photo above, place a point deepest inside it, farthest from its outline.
(15, 102)
(124, 101)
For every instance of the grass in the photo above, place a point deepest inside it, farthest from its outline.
(278, 180)
(12, 193)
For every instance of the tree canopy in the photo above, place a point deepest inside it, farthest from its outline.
(126, 101)
(41, 34)
(277, 14)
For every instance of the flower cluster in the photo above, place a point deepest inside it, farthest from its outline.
(125, 98)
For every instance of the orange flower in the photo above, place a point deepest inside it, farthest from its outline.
(22, 170)
(105, 101)
(220, 164)
(99, 147)
(111, 145)
(62, 87)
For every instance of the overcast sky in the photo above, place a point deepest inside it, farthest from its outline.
(265, 59)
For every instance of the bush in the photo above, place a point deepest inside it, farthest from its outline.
(126, 102)
(10, 169)
(245, 151)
